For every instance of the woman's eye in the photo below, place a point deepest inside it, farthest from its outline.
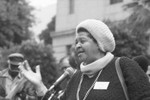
(83, 41)
(76, 42)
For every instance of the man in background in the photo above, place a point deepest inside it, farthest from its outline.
(12, 85)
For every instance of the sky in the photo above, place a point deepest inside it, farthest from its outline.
(44, 11)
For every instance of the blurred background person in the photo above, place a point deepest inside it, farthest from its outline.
(64, 63)
(12, 84)
(73, 59)
(143, 63)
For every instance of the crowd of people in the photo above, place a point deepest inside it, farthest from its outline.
(95, 77)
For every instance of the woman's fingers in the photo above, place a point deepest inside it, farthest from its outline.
(21, 67)
(27, 66)
(38, 70)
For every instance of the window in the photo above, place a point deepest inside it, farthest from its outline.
(71, 6)
(115, 1)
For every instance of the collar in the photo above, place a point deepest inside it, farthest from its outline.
(6, 75)
(97, 65)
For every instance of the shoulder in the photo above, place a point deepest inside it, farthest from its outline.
(127, 60)
(75, 78)
(127, 63)
(76, 74)
(131, 69)
(2, 72)
(135, 79)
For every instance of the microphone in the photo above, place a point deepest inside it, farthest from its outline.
(68, 73)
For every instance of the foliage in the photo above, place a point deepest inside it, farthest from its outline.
(36, 54)
(140, 11)
(129, 41)
(15, 20)
(133, 34)
(45, 34)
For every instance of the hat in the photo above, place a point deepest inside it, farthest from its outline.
(15, 58)
(100, 32)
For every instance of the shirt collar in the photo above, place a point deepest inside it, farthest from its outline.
(7, 75)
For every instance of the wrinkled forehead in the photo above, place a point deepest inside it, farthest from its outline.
(82, 35)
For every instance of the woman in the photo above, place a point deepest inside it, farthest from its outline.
(97, 78)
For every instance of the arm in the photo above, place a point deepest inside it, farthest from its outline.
(136, 80)
(34, 77)
(2, 90)
(16, 88)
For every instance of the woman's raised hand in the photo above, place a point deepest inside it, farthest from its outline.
(33, 77)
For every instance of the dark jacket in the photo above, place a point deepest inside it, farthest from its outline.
(136, 81)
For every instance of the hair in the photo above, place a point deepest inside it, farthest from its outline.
(89, 35)
(142, 61)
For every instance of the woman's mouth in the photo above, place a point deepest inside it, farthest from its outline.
(80, 52)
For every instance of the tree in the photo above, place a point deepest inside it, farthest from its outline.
(15, 20)
(35, 54)
(139, 20)
(129, 42)
(45, 34)
(140, 13)
(132, 34)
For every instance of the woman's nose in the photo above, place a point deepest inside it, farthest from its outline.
(78, 45)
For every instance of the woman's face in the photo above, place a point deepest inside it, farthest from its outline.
(87, 50)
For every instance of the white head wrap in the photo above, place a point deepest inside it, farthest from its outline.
(100, 32)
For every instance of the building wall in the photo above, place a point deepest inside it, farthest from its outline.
(60, 44)
(83, 9)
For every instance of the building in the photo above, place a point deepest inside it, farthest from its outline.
(70, 12)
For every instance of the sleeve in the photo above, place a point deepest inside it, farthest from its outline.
(136, 80)
(2, 92)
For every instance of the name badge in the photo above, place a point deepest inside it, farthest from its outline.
(101, 85)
